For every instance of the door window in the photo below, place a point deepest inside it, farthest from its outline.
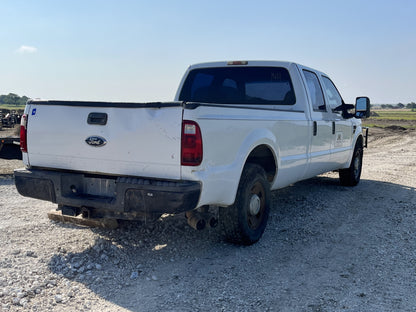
(332, 94)
(315, 91)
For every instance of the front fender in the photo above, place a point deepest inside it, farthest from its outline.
(358, 137)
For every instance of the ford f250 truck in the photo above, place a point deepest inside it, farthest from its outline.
(235, 131)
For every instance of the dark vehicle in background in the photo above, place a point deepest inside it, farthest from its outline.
(9, 118)
(9, 141)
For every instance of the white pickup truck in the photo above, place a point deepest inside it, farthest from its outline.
(236, 131)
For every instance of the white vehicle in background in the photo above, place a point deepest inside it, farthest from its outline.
(236, 131)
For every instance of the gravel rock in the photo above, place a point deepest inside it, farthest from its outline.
(59, 299)
(134, 275)
(30, 253)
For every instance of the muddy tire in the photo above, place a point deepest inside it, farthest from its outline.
(245, 221)
(351, 176)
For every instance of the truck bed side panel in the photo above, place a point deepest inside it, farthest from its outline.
(230, 134)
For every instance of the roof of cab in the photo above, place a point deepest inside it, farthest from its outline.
(242, 63)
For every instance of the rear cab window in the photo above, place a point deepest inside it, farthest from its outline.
(239, 85)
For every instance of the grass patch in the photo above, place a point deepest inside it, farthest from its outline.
(375, 125)
(404, 118)
(392, 114)
(11, 107)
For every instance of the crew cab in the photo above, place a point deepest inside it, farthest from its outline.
(234, 132)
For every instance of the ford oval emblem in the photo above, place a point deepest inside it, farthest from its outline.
(96, 141)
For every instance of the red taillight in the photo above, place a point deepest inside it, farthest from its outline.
(23, 134)
(191, 149)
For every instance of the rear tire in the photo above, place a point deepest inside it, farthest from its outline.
(245, 221)
(351, 176)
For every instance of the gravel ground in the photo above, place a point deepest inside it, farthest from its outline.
(10, 132)
(326, 248)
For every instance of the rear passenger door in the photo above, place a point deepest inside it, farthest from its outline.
(321, 126)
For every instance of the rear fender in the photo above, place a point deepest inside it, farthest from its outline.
(220, 183)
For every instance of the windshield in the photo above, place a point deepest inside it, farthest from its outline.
(239, 85)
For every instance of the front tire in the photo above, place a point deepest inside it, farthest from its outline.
(245, 221)
(352, 175)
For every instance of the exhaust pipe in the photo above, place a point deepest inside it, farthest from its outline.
(210, 219)
(195, 220)
(199, 221)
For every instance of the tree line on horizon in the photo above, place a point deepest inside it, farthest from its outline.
(13, 99)
(411, 106)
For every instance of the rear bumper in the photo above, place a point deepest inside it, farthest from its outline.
(109, 195)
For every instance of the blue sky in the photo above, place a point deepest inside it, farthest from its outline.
(139, 50)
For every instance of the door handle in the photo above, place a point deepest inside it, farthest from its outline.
(97, 119)
(315, 128)
(333, 127)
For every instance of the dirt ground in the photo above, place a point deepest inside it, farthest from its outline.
(326, 248)
(389, 123)
(10, 132)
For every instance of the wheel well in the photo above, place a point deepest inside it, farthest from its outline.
(263, 156)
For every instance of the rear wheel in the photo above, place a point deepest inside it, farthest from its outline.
(245, 221)
(351, 176)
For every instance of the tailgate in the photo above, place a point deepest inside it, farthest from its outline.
(135, 139)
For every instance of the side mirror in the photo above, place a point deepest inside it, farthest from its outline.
(362, 107)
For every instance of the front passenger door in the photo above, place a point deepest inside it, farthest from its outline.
(342, 128)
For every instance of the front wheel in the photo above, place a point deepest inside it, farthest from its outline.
(245, 221)
(351, 176)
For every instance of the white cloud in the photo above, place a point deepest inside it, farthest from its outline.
(26, 49)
